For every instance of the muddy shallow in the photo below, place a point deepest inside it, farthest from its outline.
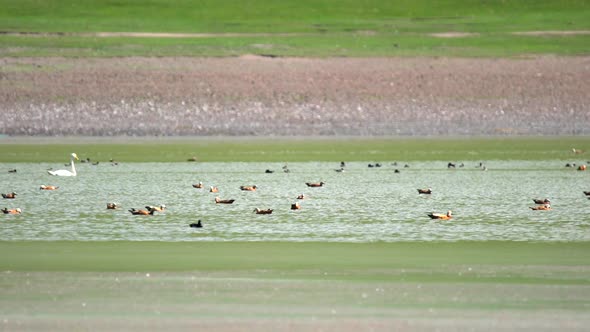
(295, 96)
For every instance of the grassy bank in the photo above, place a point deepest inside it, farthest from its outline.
(513, 262)
(293, 28)
(294, 149)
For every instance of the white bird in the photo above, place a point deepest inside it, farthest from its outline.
(65, 172)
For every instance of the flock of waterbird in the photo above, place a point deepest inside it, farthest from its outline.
(541, 204)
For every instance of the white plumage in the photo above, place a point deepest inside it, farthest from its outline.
(65, 172)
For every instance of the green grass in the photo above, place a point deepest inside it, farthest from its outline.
(296, 149)
(409, 262)
(317, 28)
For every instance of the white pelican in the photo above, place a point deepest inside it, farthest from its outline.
(65, 172)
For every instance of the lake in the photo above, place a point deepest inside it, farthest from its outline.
(361, 204)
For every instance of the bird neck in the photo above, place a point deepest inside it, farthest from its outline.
(73, 167)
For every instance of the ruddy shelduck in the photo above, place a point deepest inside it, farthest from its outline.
(142, 212)
(426, 191)
(198, 185)
(12, 211)
(112, 206)
(44, 187)
(260, 211)
(315, 184)
(542, 201)
(11, 195)
(441, 216)
(541, 207)
(213, 189)
(224, 201)
(295, 206)
(248, 188)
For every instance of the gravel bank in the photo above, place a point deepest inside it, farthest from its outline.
(295, 96)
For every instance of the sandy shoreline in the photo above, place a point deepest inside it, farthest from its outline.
(258, 96)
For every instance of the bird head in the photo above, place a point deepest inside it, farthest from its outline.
(75, 156)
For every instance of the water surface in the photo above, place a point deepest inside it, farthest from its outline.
(361, 204)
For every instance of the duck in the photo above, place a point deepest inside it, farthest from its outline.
(339, 170)
(260, 211)
(12, 170)
(160, 208)
(315, 184)
(295, 206)
(224, 201)
(112, 206)
(198, 185)
(301, 196)
(544, 207)
(44, 187)
(141, 212)
(248, 188)
(451, 165)
(198, 224)
(12, 211)
(213, 189)
(587, 193)
(11, 195)
(441, 216)
(542, 201)
(426, 191)
(582, 168)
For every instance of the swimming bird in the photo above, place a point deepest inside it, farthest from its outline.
(301, 196)
(542, 201)
(11, 195)
(260, 211)
(198, 185)
(65, 172)
(541, 207)
(197, 224)
(224, 201)
(295, 206)
(12, 170)
(340, 170)
(587, 193)
(451, 165)
(315, 184)
(112, 206)
(582, 168)
(11, 211)
(160, 208)
(248, 188)
(441, 216)
(426, 191)
(44, 187)
(213, 189)
(269, 171)
(142, 212)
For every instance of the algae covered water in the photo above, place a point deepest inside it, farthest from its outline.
(360, 204)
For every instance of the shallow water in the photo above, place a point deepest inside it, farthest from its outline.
(361, 204)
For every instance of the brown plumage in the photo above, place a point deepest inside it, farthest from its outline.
(295, 206)
(248, 188)
(301, 196)
(213, 189)
(541, 207)
(441, 216)
(112, 206)
(142, 212)
(260, 211)
(224, 201)
(315, 184)
(542, 201)
(44, 187)
(426, 191)
(9, 195)
(198, 185)
(582, 168)
(11, 211)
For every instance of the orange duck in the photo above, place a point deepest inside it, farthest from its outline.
(248, 188)
(44, 187)
(426, 191)
(315, 184)
(541, 207)
(260, 211)
(198, 185)
(441, 216)
(301, 196)
(224, 201)
(213, 189)
(160, 208)
(142, 212)
(295, 206)
(112, 206)
(9, 195)
(11, 211)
